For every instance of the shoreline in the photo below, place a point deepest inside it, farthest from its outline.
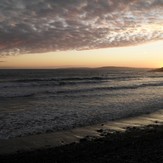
(58, 139)
(143, 145)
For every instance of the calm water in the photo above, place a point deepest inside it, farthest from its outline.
(39, 101)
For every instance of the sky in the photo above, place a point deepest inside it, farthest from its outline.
(81, 33)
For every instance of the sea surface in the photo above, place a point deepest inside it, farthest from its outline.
(44, 101)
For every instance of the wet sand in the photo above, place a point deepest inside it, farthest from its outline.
(138, 139)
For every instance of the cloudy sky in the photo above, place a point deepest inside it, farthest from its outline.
(57, 28)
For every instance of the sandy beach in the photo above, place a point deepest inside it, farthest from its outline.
(138, 139)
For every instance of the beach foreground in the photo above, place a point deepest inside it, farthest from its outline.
(136, 144)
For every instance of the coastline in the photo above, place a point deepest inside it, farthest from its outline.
(143, 145)
(59, 139)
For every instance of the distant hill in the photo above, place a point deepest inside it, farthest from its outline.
(108, 67)
(158, 70)
(115, 67)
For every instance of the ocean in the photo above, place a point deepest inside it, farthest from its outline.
(43, 101)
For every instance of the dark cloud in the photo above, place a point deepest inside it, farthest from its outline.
(36, 26)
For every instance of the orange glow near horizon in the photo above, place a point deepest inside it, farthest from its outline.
(149, 55)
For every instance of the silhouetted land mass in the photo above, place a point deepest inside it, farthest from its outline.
(144, 145)
(123, 68)
(158, 70)
(116, 67)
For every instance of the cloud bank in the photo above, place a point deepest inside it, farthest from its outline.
(35, 26)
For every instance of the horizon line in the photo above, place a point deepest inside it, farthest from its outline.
(69, 67)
